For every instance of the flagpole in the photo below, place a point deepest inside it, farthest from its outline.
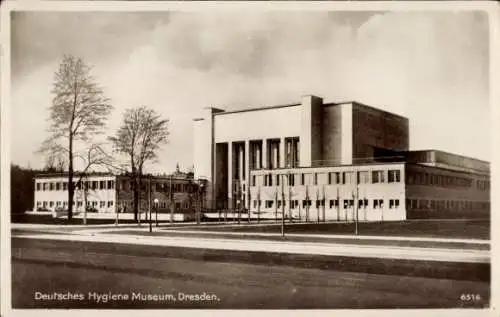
(282, 208)
(290, 199)
(324, 203)
(338, 204)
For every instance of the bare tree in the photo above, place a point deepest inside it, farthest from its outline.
(78, 112)
(140, 136)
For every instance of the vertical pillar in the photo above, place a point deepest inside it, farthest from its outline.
(282, 152)
(230, 174)
(247, 173)
(240, 162)
(256, 152)
(275, 155)
(264, 154)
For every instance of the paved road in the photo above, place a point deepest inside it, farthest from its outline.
(316, 248)
(94, 269)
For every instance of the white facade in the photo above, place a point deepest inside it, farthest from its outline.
(51, 192)
(343, 190)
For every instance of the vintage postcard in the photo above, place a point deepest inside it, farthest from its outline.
(298, 157)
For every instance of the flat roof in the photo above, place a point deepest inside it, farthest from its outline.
(325, 104)
(449, 153)
(257, 109)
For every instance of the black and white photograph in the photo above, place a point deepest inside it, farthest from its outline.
(258, 156)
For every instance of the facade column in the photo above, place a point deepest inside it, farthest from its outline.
(275, 155)
(240, 162)
(258, 163)
(247, 174)
(264, 154)
(282, 152)
(230, 175)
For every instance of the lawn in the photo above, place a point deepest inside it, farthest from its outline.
(460, 228)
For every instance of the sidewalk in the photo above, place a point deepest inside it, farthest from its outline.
(168, 228)
(308, 248)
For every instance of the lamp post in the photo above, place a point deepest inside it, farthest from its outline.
(149, 204)
(283, 206)
(156, 210)
(356, 203)
(200, 202)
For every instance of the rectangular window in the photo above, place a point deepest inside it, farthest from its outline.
(51, 186)
(270, 180)
(391, 203)
(51, 204)
(363, 177)
(44, 204)
(346, 203)
(291, 180)
(377, 177)
(102, 204)
(302, 179)
(65, 185)
(315, 178)
(38, 203)
(269, 203)
(58, 204)
(58, 186)
(253, 180)
(278, 180)
(334, 178)
(110, 203)
(101, 184)
(334, 203)
(394, 176)
(348, 177)
(80, 203)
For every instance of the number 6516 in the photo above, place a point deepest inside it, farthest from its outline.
(470, 297)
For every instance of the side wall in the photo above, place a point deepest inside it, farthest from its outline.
(433, 192)
(374, 128)
(332, 125)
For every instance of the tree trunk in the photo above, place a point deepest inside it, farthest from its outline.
(85, 202)
(136, 197)
(71, 188)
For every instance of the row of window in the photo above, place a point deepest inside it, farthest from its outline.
(333, 203)
(92, 185)
(420, 178)
(333, 178)
(161, 204)
(161, 187)
(428, 204)
(110, 184)
(79, 203)
(102, 204)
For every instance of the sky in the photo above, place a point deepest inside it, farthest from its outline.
(431, 67)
